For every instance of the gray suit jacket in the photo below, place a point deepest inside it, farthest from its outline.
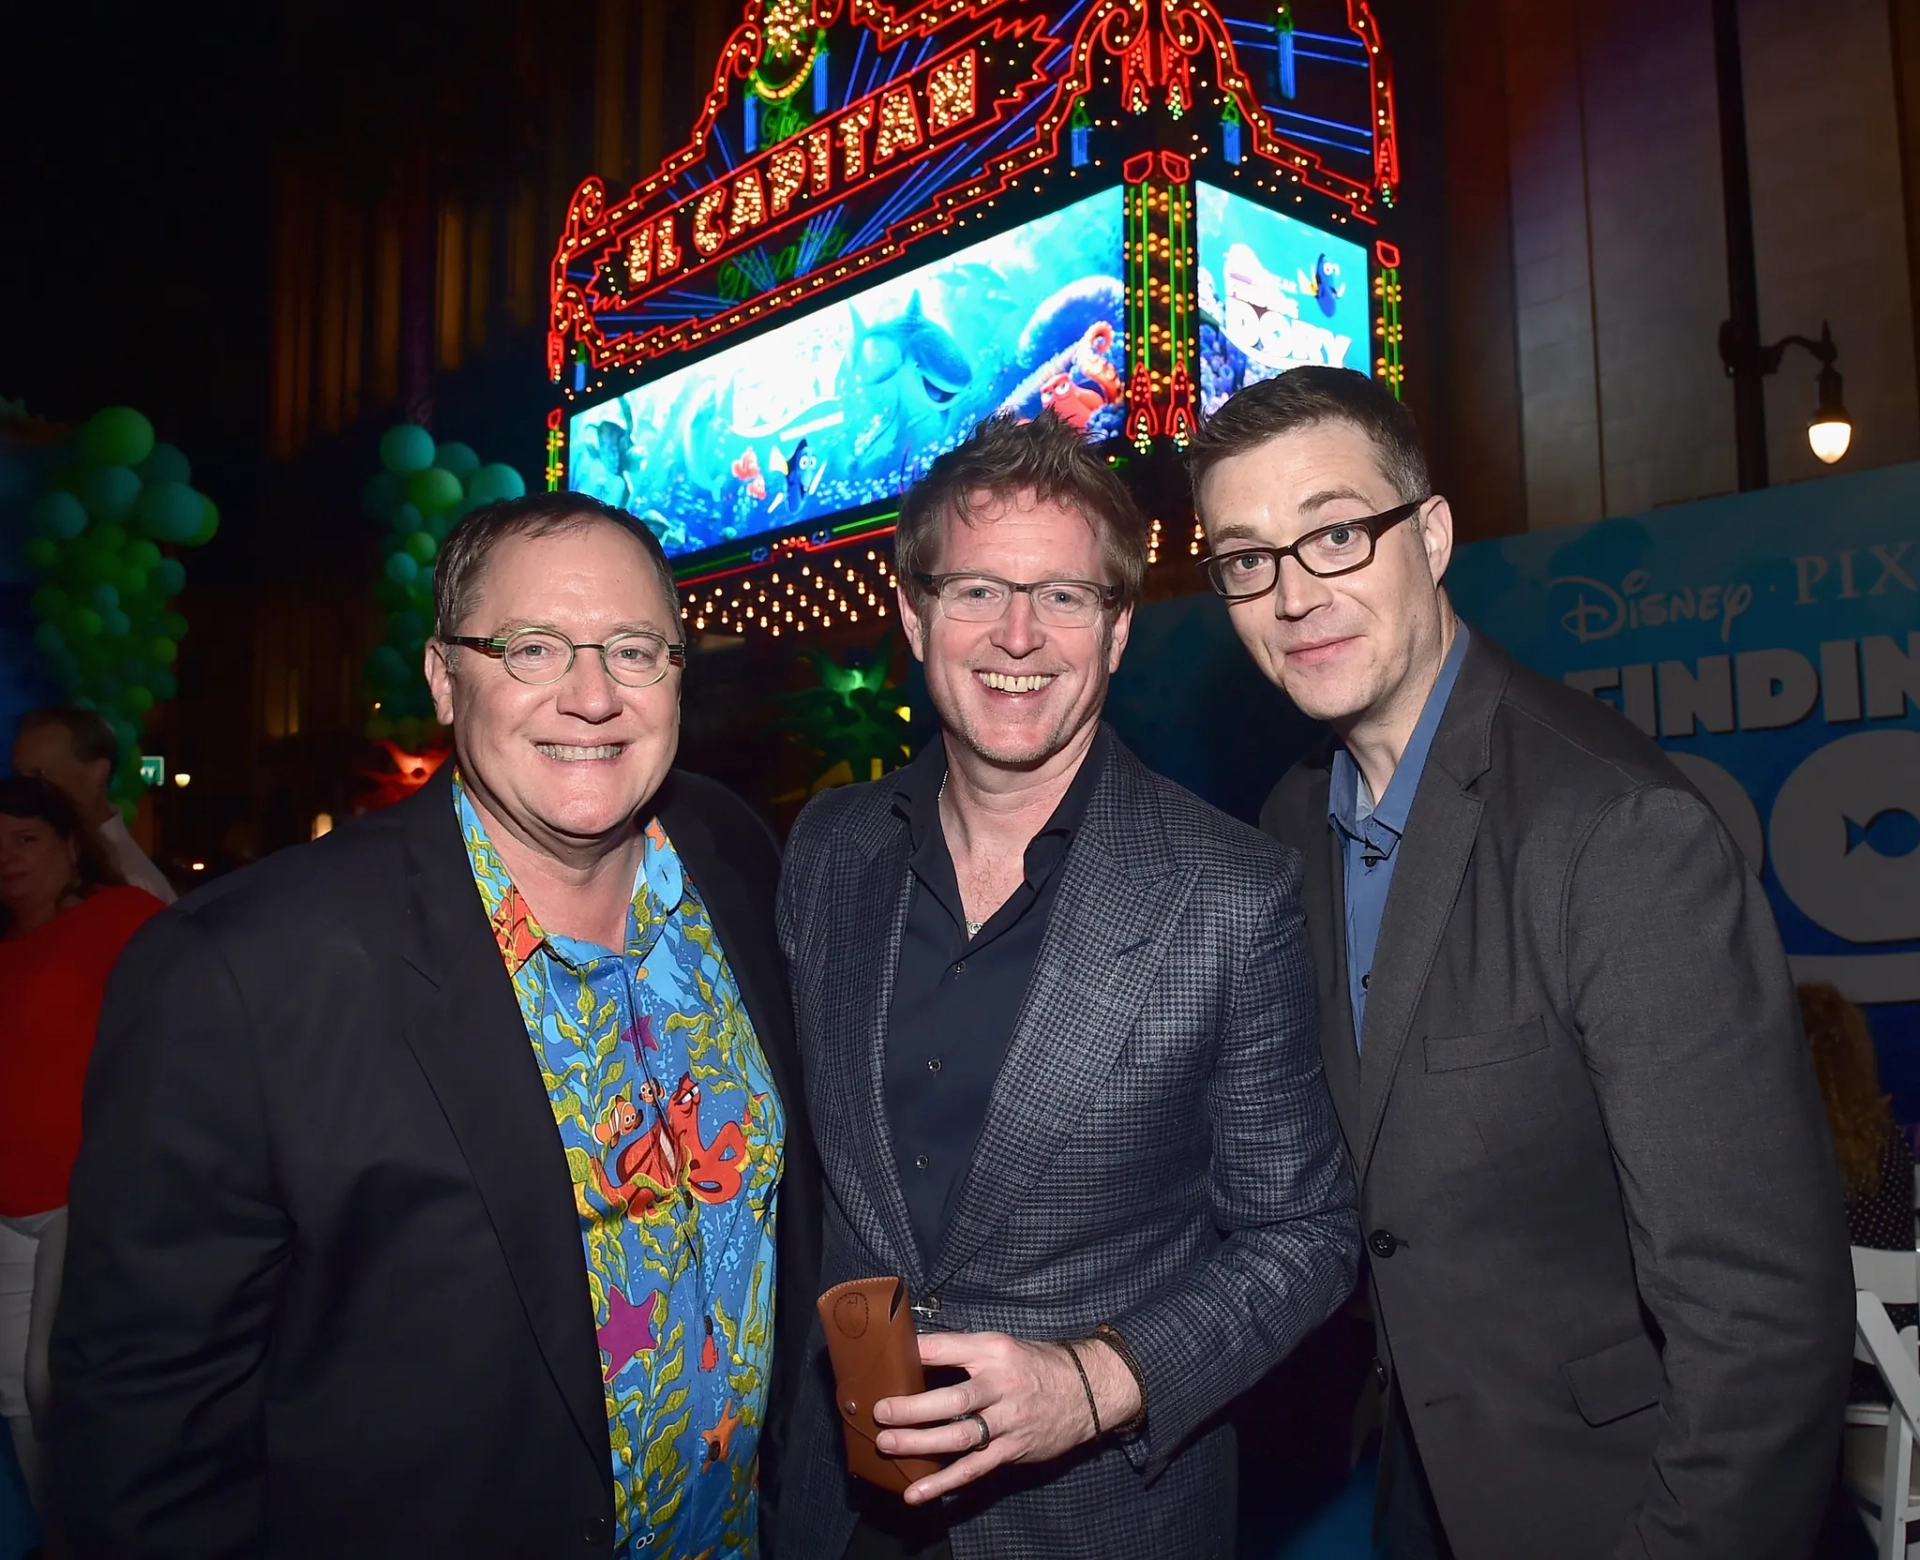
(1159, 1152)
(1609, 1249)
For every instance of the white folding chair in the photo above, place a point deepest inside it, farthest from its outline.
(1879, 1460)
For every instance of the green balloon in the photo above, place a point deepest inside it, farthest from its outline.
(422, 546)
(406, 627)
(116, 436)
(143, 554)
(50, 602)
(111, 537)
(405, 448)
(168, 576)
(136, 699)
(85, 623)
(105, 598)
(59, 514)
(42, 552)
(390, 593)
(109, 492)
(164, 684)
(175, 624)
(165, 464)
(433, 490)
(496, 481)
(457, 458)
(117, 624)
(170, 511)
(402, 569)
(209, 523)
(384, 491)
(386, 668)
(164, 651)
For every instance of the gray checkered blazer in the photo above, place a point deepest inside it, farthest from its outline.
(1160, 1153)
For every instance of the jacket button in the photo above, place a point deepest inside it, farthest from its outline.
(1383, 1243)
(1380, 1373)
(595, 1531)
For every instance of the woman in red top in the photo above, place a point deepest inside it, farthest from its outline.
(64, 917)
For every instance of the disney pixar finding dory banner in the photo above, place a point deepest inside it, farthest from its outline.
(1770, 642)
(848, 405)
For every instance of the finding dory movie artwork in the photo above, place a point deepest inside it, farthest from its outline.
(848, 405)
(1274, 294)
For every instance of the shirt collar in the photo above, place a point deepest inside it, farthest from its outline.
(659, 886)
(1380, 824)
(916, 799)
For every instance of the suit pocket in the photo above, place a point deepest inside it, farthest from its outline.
(1619, 1380)
(1449, 1053)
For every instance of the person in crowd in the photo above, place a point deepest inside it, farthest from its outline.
(64, 917)
(1876, 1160)
(77, 750)
(1056, 1022)
(437, 1173)
(1608, 1256)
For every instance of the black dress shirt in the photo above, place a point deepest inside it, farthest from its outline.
(956, 999)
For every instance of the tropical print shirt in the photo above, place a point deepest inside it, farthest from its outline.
(674, 1135)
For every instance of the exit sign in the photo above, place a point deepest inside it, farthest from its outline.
(153, 769)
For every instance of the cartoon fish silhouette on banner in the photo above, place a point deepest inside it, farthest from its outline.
(1323, 285)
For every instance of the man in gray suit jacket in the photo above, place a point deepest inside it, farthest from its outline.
(1056, 1023)
(1608, 1251)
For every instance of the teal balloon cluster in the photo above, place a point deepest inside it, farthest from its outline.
(422, 488)
(104, 530)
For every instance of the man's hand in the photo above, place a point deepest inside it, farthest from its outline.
(1028, 1393)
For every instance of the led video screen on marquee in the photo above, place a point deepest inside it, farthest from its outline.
(851, 403)
(1274, 294)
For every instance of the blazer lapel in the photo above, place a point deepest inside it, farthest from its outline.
(1431, 862)
(1325, 888)
(467, 1034)
(1107, 937)
(853, 1074)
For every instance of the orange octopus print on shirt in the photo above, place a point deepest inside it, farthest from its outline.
(673, 1135)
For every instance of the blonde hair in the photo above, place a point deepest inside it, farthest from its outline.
(1843, 1060)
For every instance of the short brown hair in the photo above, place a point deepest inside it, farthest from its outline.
(1004, 456)
(87, 731)
(1301, 398)
(462, 562)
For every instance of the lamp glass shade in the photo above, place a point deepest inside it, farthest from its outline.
(1829, 435)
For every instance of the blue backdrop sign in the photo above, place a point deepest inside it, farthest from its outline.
(1770, 643)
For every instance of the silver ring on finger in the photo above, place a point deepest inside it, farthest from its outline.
(986, 1435)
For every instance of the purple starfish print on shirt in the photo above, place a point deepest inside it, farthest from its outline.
(628, 1329)
(640, 1036)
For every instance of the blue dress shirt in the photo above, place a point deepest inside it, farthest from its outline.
(1370, 833)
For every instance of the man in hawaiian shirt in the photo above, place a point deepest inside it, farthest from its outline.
(489, 1267)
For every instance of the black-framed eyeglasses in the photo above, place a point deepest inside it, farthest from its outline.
(984, 598)
(544, 655)
(1340, 548)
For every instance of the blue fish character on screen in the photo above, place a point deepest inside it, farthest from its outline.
(802, 474)
(1323, 286)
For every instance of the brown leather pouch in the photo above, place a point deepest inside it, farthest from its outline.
(869, 1328)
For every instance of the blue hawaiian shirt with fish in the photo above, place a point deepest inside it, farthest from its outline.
(674, 1135)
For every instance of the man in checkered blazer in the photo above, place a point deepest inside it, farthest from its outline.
(1057, 1022)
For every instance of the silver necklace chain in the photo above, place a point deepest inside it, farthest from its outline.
(973, 927)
